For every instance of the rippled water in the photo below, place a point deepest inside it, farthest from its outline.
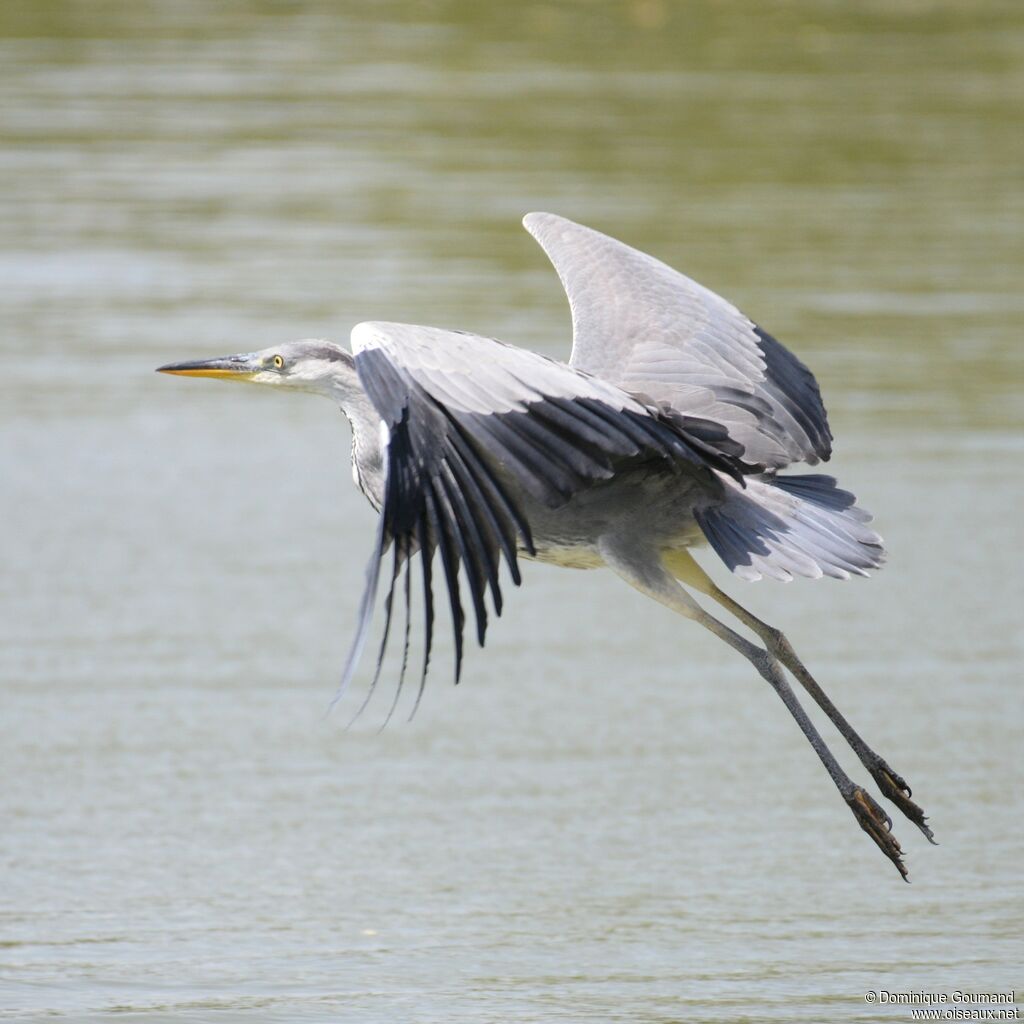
(613, 818)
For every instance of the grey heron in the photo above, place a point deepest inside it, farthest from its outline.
(668, 428)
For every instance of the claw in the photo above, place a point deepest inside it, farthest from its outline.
(878, 825)
(894, 788)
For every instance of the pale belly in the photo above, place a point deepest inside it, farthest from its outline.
(656, 507)
(584, 554)
(567, 557)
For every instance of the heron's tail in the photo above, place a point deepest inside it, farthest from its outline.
(786, 526)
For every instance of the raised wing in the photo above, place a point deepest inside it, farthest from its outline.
(648, 329)
(472, 428)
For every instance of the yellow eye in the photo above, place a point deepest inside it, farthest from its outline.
(278, 363)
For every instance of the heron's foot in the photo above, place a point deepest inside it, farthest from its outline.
(894, 788)
(878, 825)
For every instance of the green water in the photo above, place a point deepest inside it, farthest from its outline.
(613, 818)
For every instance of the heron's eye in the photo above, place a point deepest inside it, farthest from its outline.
(278, 363)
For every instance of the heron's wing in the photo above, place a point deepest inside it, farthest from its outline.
(652, 331)
(471, 428)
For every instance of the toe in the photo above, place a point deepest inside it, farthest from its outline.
(877, 824)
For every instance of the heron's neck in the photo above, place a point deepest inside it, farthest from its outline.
(367, 452)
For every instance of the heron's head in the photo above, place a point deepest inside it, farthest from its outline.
(319, 366)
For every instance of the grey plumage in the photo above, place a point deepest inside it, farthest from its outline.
(668, 427)
(477, 427)
(786, 526)
(478, 432)
(651, 330)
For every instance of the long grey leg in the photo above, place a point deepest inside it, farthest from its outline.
(889, 782)
(644, 570)
(682, 565)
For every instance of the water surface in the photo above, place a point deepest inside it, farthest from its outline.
(613, 818)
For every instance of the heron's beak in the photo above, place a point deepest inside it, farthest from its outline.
(240, 367)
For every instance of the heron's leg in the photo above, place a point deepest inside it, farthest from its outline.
(643, 569)
(683, 566)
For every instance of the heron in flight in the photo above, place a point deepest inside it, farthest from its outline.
(668, 428)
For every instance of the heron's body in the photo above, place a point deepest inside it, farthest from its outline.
(672, 426)
(645, 498)
(642, 497)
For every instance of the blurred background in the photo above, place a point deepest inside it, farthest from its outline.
(612, 818)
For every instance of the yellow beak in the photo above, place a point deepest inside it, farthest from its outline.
(240, 367)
